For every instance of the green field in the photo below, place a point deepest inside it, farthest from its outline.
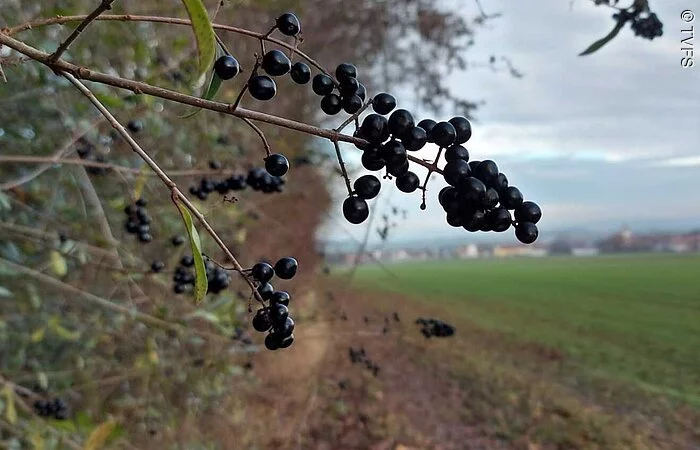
(631, 318)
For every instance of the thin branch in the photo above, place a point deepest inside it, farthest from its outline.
(353, 117)
(104, 6)
(481, 9)
(259, 132)
(342, 167)
(176, 193)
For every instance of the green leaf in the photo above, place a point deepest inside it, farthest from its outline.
(10, 411)
(5, 202)
(214, 86)
(203, 33)
(200, 272)
(99, 435)
(58, 263)
(601, 42)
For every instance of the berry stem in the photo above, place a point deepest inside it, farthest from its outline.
(259, 132)
(342, 166)
(353, 117)
(103, 6)
(176, 195)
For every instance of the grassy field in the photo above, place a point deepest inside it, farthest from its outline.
(634, 319)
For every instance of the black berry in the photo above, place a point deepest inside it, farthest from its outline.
(281, 297)
(383, 103)
(400, 122)
(355, 210)
(528, 212)
(330, 104)
(276, 63)
(226, 67)
(187, 261)
(345, 71)
(443, 134)
(276, 164)
(262, 87)
(272, 341)
(261, 321)
(351, 103)
(526, 232)
(278, 314)
(375, 128)
(463, 129)
(263, 272)
(487, 171)
(499, 219)
(322, 84)
(367, 186)
(286, 268)
(414, 139)
(428, 125)
(456, 151)
(300, 73)
(511, 198)
(157, 266)
(455, 171)
(135, 126)
(348, 86)
(265, 290)
(372, 162)
(288, 24)
(408, 182)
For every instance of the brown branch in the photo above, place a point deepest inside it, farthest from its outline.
(144, 88)
(176, 193)
(259, 132)
(342, 167)
(104, 6)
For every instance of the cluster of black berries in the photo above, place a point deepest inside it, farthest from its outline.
(347, 94)
(435, 328)
(274, 317)
(217, 278)
(274, 63)
(257, 179)
(138, 221)
(55, 408)
(648, 27)
(183, 275)
(359, 356)
(85, 151)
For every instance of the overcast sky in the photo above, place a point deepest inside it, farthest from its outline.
(597, 141)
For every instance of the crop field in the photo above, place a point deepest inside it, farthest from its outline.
(632, 319)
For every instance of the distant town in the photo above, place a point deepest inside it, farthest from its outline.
(623, 241)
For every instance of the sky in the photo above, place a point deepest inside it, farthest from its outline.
(599, 141)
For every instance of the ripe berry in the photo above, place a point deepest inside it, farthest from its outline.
(526, 232)
(300, 73)
(276, 164)
(487, 171)
(408, 182)
(511, 198)
(428, 125)
(279, 314)
(157, 266)
(141, 202)
(501, 183)
(454, 220)
(135, 126)
(288, 341)
(330, 104)
(265, 290)
(262, 87)
(455, 171)
(286, 268)
(463, 129)
(179, 288)
(144, 228)
(286, 329)
(490, 199)
(281, 297)
(499, 219)
(263, 272)
(372, 162)
(131, 226)
(226, 67)
(272, 341)
(375, 128)
(397, 168)
(443, 134)
(383, 103)
(345, 71)
(473, 190)
(355, 210)
(351, 103)
(322, 84)
(276, 63)
(528, 212)
(400, 122)
(288, 24)
(367, 186)
(348, 86)
(261, 321)
(187, 261)
(474, 220)
(414, 139)
(145, 237)
(393, 152)
(361, 92)
(456, 151)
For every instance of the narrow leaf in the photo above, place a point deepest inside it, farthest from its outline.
(203, 33)
(200, 272)
(601, 42)
(141, 181)
(214, 86)
(58, 263)
(99, 435)
(10, 411)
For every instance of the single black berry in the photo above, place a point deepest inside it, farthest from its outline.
(281, 297)
(501, 183)
(499, 219)
(473, 220)
(135, 126)
(278, 314)
(408, 182)
(263, 272)
(187, 261)
(454, 220)
(355, 210)
(322, 84)
(383, 103)
(145, 237)
(179, 288)
(226, 67)
(490, 199)
(345, 71)
(157, 266)
(276, 164)
(361, 92)
(288, 341)
(414, 139)
(300, 73)
(463, 129)
(286, 329)
(455, 171)
(372, 162)
(443, 134)
(141, 202)
(262, 87)
(286, 268)
(272, 341)
(526, 232)
(351, 103)
(330, 104)
(288, 24)
(473, 191)
(215, 164)
(528, 212)
(144, 228)
(276, 63)
(375, 128)
(393, 152)
(487, 171)
(348, 86)
(261, 321)
(367, 186)
(428, 125)
(511, 198)
(131, 226)
(456, 151)
(400, 122)
(397, 167)
(265, 290)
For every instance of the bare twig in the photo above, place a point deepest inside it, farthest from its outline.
(342, 167)
(104, 6)
(259, 132)
(176, 193)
